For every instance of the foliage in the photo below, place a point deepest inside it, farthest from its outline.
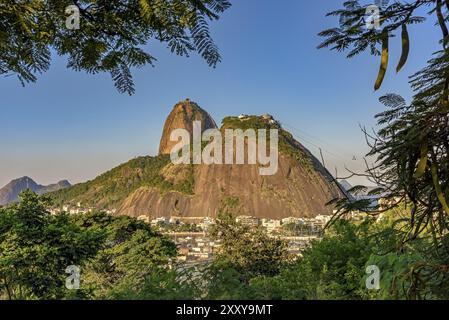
(249, 250)
(286, 143)
(245, 253)
(354, 36)
(112, 253)
(174, 227)
(111, 188)
(123, 258)
(411, 148)
(159, 285)
(331, 268)
(111, 37)
(131, 253)
(36, 248)
(334, 268)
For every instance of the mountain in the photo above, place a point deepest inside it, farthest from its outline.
(182, 116)
(54, 187)
(11, 191)
(154, 187)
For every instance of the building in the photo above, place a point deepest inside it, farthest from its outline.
(271, 224)
(323, 218)
(160, 220)
(144, 218)
(267, 116)
(248, 221)
(292, 220)
(207, 222)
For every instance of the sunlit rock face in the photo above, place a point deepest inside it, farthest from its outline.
(182, 117)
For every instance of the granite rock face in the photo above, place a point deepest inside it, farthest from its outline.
(182, 117)
(294, 191)
(153, 187)
(300, 188)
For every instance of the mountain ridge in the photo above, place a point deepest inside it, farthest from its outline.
(10, 192)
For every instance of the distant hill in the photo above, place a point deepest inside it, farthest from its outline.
(154, 187)
(11, 191)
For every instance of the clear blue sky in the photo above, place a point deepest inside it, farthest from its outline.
(74, 126)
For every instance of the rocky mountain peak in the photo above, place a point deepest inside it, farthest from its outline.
(182, 117)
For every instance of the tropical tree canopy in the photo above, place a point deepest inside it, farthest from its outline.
(102, 35)
(412, 145)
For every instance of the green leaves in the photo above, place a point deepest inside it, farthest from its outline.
(203, 41)
(354, 36)
(247, 250)
(36, 248)
(112, 38)
(409, 132)
(113, 252)
(131, 254)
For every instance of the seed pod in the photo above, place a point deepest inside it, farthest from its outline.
(405, 48)
(383, 60)
(439, 192)
(422, 164)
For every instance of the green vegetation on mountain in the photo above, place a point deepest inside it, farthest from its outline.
(111, 188)
(287, 144)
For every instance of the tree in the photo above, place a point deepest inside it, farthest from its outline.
(332, 268)
(245, 253)
(412, 147)
(111, 36)
(248, 249)
(131, 254)
(36, 248)
(118, 257)
(160, 284)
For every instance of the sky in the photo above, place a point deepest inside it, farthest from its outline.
(75, 126)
